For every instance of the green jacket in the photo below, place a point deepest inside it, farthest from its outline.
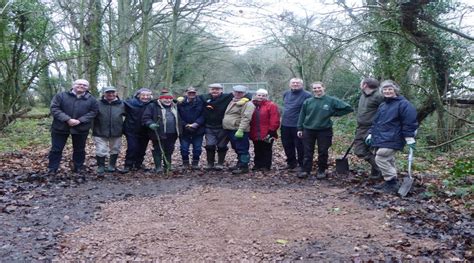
(316, 112)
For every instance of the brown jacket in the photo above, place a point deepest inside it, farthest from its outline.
(238, 116)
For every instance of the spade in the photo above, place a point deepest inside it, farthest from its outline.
(408, 180)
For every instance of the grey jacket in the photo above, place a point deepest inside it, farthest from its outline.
(368, 105)
(109, 121)
(66, 106)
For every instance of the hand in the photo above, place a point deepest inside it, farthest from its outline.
(194, 125)
(190, 128)
(239, 134)
(180, 99)
(73, 122)
(411, 142)
(274, 134)
(242, 101)
(299, 134)
(368, 139)
(154, 126)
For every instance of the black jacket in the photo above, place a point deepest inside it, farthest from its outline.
(155, 112)
(192, 112)
(133, 117)
(109, 121)
(66, 106)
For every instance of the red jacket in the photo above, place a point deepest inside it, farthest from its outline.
(266, 117)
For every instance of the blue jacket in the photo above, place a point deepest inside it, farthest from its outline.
(394, 121)
(192, 112)
(292, 103)
(132, 125)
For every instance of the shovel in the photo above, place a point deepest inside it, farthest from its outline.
(408, 180)
(342, 164)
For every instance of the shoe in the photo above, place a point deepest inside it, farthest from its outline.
(241, 170)
(291, 167)
(389, 187)
(158, 170)
(256, 168)
(210, 167)
(195, 165)
(375, 175)
(52, 171)
(126, 169)
(321, 175)
(219, 167)
(303, 175)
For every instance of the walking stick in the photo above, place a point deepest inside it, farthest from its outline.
(167, 163)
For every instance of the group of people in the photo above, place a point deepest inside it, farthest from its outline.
(386, 122)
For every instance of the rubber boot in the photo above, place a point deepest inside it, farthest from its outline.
(100, 165)
(211, 158)
(375, 173)
(195, 164)
(220, 160)
(243, 164)
(112, 163)
(157, 161)
(185, 165)
(167, 164)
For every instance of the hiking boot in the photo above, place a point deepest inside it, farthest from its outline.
(291, 167)
(321, 175)
(241, 170)
(303, 175)
(375, 174)
(195, 165)
(389, 187)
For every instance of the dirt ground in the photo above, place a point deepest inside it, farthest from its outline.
(216, 216)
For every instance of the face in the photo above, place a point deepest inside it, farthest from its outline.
(110, 95)
(80, 87)
(260, 97)
(318, 90)
(296, 84)
(215, 92)
(238, 94)
(191, 95)
(389, 92)
(145, 96)
(166, 102)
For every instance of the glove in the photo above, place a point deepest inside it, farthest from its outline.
(368, 139)
(411, 142)
(194, 125)
(299, 134)
(154, 126)
(239, 134)
(242, 101)
(273, 134)
(180, 99)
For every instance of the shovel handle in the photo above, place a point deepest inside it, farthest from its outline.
(410, 161)
(348, 149)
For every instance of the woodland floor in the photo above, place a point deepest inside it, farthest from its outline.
(217, 216)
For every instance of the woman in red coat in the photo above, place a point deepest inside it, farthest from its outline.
(263, 129)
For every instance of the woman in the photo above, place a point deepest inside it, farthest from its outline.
(161, 117)
(263, 129)
(135, 133)
(394, 126)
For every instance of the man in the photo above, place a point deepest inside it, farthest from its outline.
(236, 124)
(162, 119)
(108, 129)
(292, 101)
(215, 104)
(73, 112)
(315, 125)
(394, 126)
(369, 102)
(190, 110)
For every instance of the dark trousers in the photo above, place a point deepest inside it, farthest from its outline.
(323, 138)
(263, 154)
(241, 147)
(186, 141)
(292, 146)
(136, 150)
(58, 141)
(167, 144)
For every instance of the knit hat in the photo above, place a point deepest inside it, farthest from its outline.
(165, 94)
(140, 91)
(390, 83)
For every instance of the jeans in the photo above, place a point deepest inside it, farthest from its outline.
(58, 141)
(186, 141)
(241, 147)
(324, 140)
(292, 146)
(136, 150)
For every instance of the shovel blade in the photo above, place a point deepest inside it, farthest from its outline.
(406, 186)
(342, 166)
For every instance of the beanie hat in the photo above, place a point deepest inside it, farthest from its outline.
(165, 94)
(140, 91)
(390, 83)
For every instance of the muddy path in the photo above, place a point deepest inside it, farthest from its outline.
(220, 217)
